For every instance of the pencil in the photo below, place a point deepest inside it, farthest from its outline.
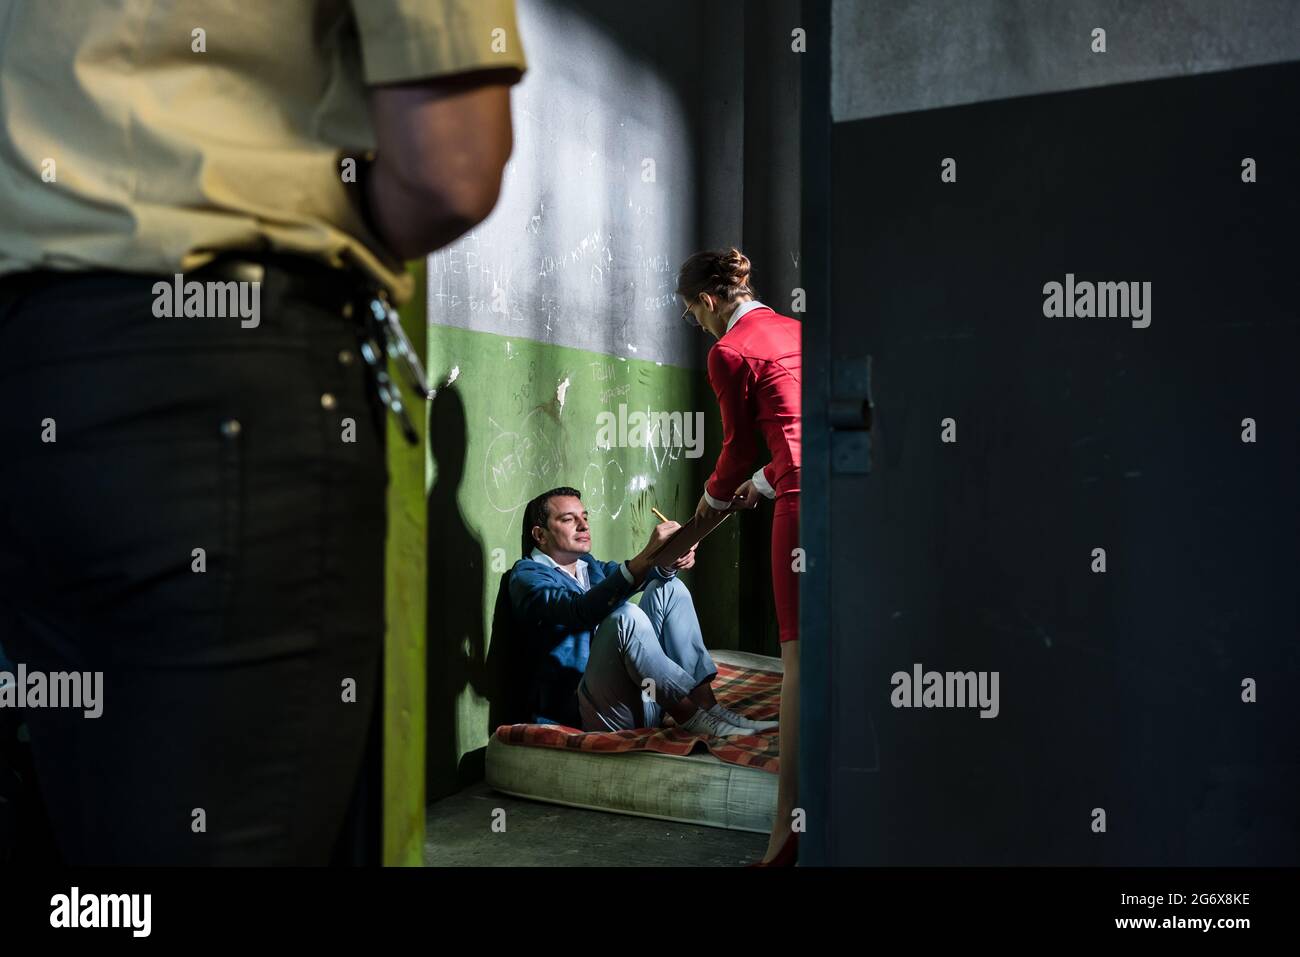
(662, 516)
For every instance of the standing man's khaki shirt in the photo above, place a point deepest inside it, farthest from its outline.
(122, 146)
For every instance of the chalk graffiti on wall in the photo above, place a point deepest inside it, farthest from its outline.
(528, 456)
(520, 461)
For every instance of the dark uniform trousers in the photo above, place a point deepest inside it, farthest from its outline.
(228, 734)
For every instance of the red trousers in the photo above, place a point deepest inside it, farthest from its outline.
(785, 580)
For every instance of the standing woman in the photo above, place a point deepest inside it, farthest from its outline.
(756, 371)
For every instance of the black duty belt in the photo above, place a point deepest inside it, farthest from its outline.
(380, 337)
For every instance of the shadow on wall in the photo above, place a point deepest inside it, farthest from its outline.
(456, 580)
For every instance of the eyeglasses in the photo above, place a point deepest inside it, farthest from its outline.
(688, 317)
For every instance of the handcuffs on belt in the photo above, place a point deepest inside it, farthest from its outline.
(381, 337)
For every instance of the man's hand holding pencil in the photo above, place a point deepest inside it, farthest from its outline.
(687, 560)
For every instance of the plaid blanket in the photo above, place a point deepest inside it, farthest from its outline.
(755, 694)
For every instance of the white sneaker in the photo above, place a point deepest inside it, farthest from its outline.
(708, 723)
(740, 721)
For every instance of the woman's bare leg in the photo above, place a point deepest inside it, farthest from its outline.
(787, 788)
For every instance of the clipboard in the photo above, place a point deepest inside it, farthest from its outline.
(688, 536)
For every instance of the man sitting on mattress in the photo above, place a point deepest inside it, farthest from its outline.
(596, 660)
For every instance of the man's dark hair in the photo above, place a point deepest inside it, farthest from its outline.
(538, 511)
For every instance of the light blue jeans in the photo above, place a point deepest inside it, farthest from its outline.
(660, 640)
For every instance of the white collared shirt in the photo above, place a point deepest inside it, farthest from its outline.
(759, 479)
(581, 574)
(740, 310)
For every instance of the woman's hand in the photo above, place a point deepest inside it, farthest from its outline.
(747, 495)
(704, 508)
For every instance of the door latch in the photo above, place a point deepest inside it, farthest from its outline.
(850, 416)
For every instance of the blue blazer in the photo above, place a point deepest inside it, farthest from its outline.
(554, 623)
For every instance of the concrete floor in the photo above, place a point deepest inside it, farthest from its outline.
(460, 834)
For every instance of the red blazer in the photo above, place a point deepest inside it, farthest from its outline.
(756, 371)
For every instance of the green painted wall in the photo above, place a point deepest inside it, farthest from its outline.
(499, 435)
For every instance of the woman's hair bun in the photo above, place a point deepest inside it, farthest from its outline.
(733, 265)
(720, 272)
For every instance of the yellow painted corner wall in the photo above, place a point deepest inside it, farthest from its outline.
(405, 617)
